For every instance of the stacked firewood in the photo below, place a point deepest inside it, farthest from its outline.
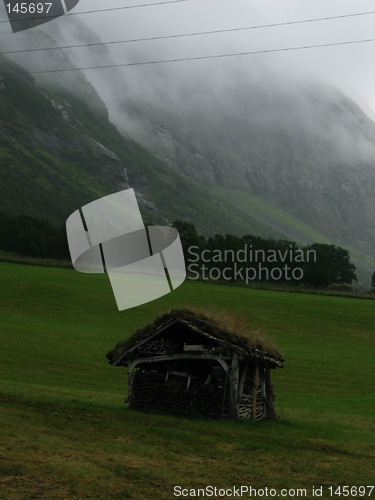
(151, 393)
(157, 347)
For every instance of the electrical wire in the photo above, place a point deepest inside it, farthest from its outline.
(99, 10)
(196, 58)
(184, 35)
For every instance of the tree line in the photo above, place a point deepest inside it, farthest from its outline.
(234, 258)
(33, 237)
(252, 258)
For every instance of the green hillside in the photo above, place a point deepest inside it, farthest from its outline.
(66, 432)
(58, 153)
(270, 218)
(269, 215)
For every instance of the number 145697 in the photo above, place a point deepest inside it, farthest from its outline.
(350, 491)
(29, 8)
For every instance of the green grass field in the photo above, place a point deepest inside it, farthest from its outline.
(66, 433)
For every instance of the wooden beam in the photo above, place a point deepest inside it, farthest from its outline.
(271, 406)
(242, 380)
(234, 386)
(255, 388)
(130, 384)
(171, 357)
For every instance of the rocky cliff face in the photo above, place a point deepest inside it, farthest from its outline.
(58, 153)
(46, 119)
(308, 150)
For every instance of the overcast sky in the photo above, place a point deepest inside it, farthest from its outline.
(349, 67)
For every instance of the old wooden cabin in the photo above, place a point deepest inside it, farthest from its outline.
(188, 364)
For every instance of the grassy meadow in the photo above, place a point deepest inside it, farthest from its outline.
(65, 432)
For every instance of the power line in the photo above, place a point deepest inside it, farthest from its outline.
(125, 7)
(99, 10)
(198, 33)
(196, 58)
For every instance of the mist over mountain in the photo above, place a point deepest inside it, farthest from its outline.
(298, 143)
(59, 151)
(292, 143)
(308, 150)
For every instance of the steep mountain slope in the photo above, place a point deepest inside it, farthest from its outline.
(58, 153)
(48, 156)
(309, 152)
(302, 150)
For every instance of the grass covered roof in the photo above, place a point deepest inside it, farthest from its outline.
(223, 326)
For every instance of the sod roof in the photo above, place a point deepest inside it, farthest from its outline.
(226, 328)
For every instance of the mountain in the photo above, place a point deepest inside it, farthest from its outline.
(59, 151)
(301, 150)
(288, 159)
(311, 154)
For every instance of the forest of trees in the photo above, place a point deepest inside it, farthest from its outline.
(227, 257)
(316, 265)
(32, 237)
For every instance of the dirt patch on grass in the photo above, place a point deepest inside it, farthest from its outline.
(227, 447)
